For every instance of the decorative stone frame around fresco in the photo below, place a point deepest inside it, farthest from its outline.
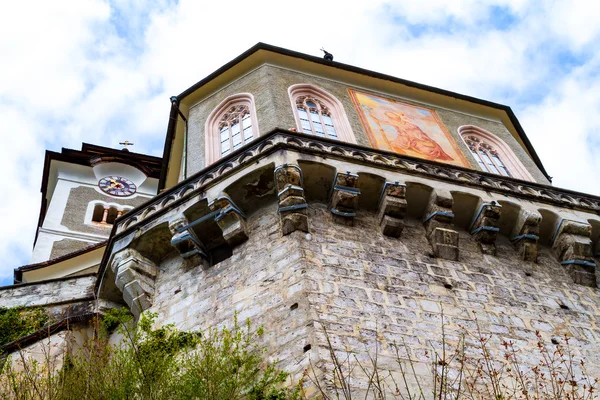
(370, 135)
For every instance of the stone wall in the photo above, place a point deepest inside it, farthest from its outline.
(264, 280)
(363, 287)
(269, 86)
(56, 291)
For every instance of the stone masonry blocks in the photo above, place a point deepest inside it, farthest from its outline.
(290, 194)
(573, 245)
(525, 234)
(187, 243)
(439, 225)
(392, 209)
(484, 226)
(230, 219)
(135, 276)
(343, 199)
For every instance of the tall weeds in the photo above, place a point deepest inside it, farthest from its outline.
(469, 370)
(164, 363)
(226, 363)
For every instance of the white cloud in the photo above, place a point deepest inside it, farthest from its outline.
(101, 72)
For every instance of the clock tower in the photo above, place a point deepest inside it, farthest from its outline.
(83, 193)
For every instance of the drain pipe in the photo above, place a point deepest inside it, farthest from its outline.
(175, 104)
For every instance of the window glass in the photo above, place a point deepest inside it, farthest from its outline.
(329, 126)
(481, 163)
(500, 165)
(489, 163)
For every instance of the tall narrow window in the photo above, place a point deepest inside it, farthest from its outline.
(319, 113)
(230, 126)
(315, 117)
(492, 154)
(487, 158)
(235, 128)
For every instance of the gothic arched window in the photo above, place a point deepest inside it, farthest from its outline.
(230, 126)
(319, 113)
(492, 154)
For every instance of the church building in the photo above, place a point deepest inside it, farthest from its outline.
(307, 194)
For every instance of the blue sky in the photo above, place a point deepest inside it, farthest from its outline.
(103, 71)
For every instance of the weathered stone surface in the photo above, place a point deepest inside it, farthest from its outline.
(484, 226)
(573, 246)
(525, 234)
(187, 243)
(290, 194)
(230, 220)
(343, 200)
(364, 287)
(392, 209)
(71, 289)
(135, 276)
(439, 225)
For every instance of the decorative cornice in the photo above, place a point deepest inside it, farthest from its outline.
(295, 141)
(280, 139)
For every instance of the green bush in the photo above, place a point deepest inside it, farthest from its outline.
(162, 363)
(18, 322)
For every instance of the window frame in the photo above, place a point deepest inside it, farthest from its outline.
(335, 108)
(212, 129)
(113, 211)
(491, 145)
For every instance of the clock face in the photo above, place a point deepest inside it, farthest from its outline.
(117, 186)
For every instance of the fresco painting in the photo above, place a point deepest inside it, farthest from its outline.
(406, 129)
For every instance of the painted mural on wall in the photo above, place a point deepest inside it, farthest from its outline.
(406, 129)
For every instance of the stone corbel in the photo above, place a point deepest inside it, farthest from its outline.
(392, 209)
(525, 234)
(573, 245)
(186, 242)
(484, 226)
(439, 225)
(343, 198)
(230, 219)
(292, 203)
(135, 276)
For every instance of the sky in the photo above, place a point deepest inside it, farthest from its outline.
(103, 71)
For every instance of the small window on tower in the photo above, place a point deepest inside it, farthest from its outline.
(105, 215)
(98, 212)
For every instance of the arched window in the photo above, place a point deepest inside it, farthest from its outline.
(319, 113)
(105, 214)
(231, 125)
(492, 154)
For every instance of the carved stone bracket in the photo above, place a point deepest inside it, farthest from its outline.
(135, 276)
(343, 198)
(484, 226)
(525, 235)
(439, 226)
(573, 245)
(186, 242)
(392, 209)
(292, 203)
(230, 219)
